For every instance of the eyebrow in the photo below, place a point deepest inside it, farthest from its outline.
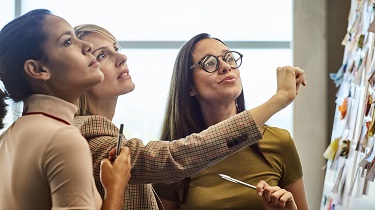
(100, 48)
(225, 51)
(104, 47)
(222, 51)
(63, 34)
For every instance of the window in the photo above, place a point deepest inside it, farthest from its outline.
(7, 11)
(142, 110)
(262, 31)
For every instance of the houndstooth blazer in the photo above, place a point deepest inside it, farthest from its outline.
(165, 161)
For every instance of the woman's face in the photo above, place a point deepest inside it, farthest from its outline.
(117, 80)
(73, 68)
(221, 86)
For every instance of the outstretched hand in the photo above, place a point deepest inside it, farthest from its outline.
(275, 198)
(300, 78)
(289, 80)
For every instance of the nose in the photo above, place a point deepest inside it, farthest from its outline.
(224, 67)
(87, 47)
(121, 59)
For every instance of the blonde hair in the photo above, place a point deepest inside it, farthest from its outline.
(81, 31)
(84, 29)
(83, 105)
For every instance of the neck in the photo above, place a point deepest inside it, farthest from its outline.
(103, 107)
(215, 113)
(70, 96)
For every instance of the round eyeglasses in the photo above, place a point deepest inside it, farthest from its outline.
(210, 63)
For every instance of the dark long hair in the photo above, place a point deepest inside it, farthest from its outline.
(183, 115)
(21, 39)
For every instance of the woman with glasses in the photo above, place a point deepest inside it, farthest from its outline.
(162, 161)
(206, 88)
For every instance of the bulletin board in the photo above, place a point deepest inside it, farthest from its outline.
(350, 169)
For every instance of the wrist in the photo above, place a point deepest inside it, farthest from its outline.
(282, 99)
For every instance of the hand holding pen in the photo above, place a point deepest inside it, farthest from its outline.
(273, 196)
(116, 151)
(276, 198)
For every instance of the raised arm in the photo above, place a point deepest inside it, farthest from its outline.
(289, 79)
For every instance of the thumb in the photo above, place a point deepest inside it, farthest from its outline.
(105, 164)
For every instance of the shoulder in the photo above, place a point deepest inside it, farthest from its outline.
(277, 136)
(67, 134)
(269, 128)
(66, 140)
(271, 131)
(80, 121)
(94, 126)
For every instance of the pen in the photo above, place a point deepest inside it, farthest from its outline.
(119, 140)
(228, 178)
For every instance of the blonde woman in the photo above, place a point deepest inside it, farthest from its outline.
(163, 161)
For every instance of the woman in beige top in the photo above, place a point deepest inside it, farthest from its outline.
(45, 162)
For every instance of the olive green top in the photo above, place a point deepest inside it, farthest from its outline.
(209, 191)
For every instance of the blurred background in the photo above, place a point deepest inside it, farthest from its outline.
(304, 33)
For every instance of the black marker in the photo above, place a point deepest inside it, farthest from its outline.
(119, 140)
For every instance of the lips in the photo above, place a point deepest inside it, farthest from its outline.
(93, 62)
(229, 78)
(123, 74)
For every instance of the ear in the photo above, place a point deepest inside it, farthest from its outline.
(193, 92)
(35, 70)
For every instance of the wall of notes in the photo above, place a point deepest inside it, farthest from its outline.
(350, 169)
